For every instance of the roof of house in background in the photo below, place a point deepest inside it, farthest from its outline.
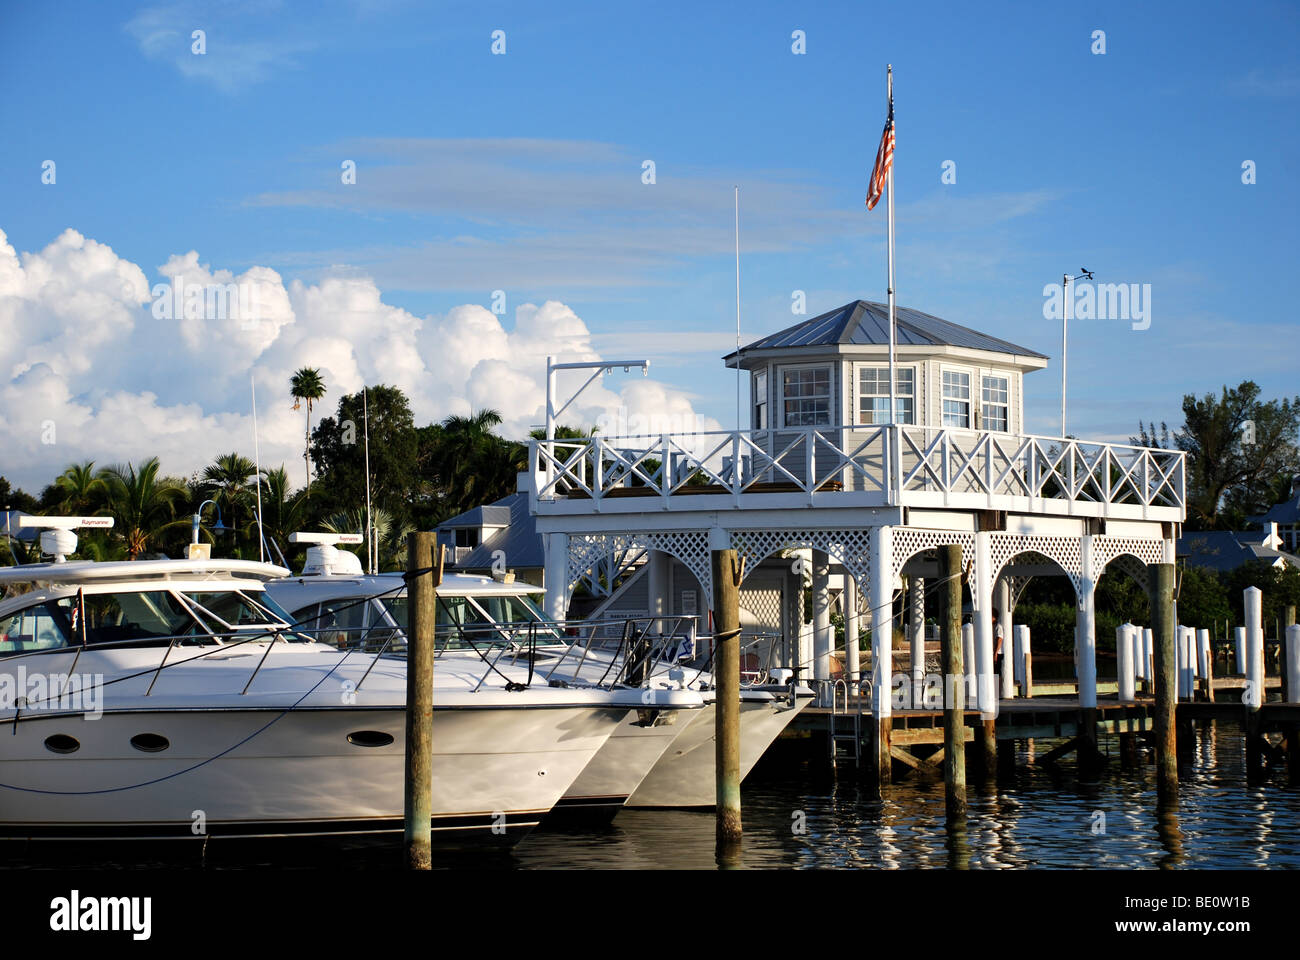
(1225, 550)
(519, 541)
(1288, 511)
(489, 515)
(9, 526)
(864, 322)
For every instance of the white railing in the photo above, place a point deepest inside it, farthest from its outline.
(885, 465)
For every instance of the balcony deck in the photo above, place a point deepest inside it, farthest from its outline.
(880, 466)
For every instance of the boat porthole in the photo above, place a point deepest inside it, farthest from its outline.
(370, 738)
(150, 742)
(62, 743)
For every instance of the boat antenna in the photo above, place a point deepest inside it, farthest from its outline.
(370, 538)
(257, 465)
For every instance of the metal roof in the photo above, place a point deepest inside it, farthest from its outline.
(489, 515)
(520, 541)
(864, 322)
(1225, 550)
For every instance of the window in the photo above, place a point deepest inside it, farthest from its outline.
(760, 401)
(467, 536)
(956, 399)
(993, 412)
(34, 628)
(873, 395)
(807, 395)
(155, 616)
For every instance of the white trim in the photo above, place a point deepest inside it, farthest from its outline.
(855, 392)
(972, 374)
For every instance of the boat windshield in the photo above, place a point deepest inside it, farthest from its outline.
(463, 620)
(153, 615)
(233, 610)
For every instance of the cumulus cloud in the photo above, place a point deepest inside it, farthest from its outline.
(99, 361)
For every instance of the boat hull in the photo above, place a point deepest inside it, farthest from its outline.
(267, 773)
(685, 775)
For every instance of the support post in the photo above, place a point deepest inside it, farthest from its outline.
(1086, 632)
(1160, 587)
(968, 660)
(852, 645)
(1003, 604)
(726, 619)
(1289, 692)
(1293, 664)
(557, 575)
(657, 572)
(418, 786)
(1149, 659)
(916, 622)
(1024, 660)
(1254, 695)
(954, 682)
(1124, 637)
(823, 633)
(1205, 655)
(882, 648)
(1239, 650)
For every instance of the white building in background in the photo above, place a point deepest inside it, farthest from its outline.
(821, 470)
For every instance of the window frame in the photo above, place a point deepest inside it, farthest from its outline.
(860, 367)
(829, 367)
(1005, 404)
(760, 409)
(969, 373)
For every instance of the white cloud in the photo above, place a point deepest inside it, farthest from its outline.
(92, 368)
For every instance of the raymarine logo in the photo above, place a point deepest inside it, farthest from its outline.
(35, 691)
(77, 913)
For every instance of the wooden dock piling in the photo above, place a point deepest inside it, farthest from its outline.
(418, 788)
(954, 682)
(1160, 588)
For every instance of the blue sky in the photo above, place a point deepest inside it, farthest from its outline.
(522, 172)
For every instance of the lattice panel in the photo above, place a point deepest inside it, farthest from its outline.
(691, 547)
(764, 605)
(850, 547)
(908, 542)
(1132, 555)
(1065, 552)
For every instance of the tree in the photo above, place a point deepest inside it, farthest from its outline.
(470, 464)
(1240, 453)
(79, 490)
(283, 510)
(306, 387)
(14, 498)
(338, 447)
(227, 481)
(143, 506)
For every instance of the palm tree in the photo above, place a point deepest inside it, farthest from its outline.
(283, 511)
(82, 489)
(226, 480)
(306, 386)
(143, 506)
(390, 536)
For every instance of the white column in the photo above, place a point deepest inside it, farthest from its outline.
(1203, 653)
(657, 565)
(986, 687)
(852, 651)
(1003, 603)
(1139, 654)
(823, 633)
(1148, 654)
(916, 623)
(1254, 604)
(1293, 663)
(968, 660)
(882, 626)
(1125, 637)
(1022, 654)
(1239, 660)
(1086, 628)
(556, 574)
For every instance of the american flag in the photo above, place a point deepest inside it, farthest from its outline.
(884, 160)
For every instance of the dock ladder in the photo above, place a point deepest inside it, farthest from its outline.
(845, 727)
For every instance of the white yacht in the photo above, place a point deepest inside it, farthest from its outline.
(659, 756)
(171, 698)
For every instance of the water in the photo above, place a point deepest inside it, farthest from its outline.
(1041, 819)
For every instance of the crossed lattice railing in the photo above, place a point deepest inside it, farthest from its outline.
(898, 464)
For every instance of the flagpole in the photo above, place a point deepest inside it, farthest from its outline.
(890, 187)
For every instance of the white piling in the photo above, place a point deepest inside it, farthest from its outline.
(1125, 636)
(1024, 661)
(968, 659)
(1186, 662)
(1253, 696)
(1202, 653)
(1149, 656)
(1239, 655)
(1293, 662)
